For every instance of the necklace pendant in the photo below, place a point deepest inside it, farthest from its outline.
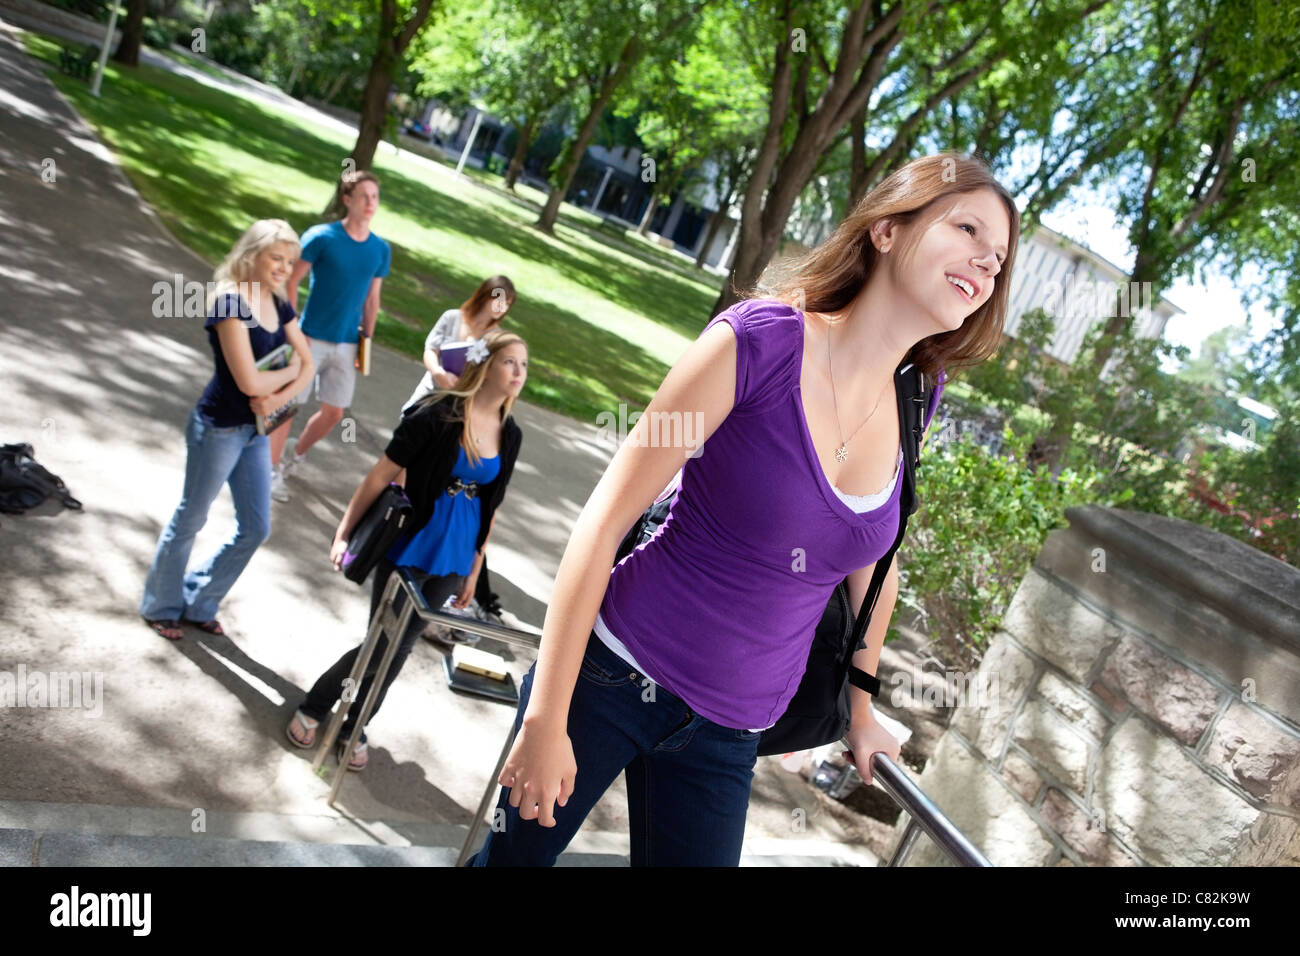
(842, 453)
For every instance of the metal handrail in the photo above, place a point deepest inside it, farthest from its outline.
(925, 815)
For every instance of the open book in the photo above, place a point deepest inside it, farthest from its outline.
(272, 360)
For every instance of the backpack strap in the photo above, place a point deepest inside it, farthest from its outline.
(913, 392)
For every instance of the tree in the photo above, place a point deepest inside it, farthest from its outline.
(489, 56)
(128, 48)
(398, 25)
(822, 80)
(701, 110)
(609, 40)
(1209, 174)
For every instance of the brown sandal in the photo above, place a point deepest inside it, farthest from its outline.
(209, 627)
(162, 626)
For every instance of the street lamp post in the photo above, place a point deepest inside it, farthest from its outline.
(103, 52)
(469, 143)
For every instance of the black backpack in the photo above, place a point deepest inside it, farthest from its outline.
(819, 713)
(25, 483)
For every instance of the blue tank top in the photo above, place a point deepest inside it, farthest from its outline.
(445, 545)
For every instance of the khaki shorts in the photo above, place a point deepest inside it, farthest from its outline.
(336, 373)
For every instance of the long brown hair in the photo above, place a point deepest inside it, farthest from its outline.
(830, 277)
(467, 388)
(498, 290)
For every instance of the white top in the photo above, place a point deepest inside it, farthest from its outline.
(861, 504)
(446, 329)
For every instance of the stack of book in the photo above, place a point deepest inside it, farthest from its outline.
(478, 672)
(272, 360)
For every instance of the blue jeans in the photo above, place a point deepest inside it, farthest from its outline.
(688, 779)
(214, 457)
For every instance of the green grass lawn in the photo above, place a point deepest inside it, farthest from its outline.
(604, 315)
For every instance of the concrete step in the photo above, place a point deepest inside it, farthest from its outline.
(34, 833)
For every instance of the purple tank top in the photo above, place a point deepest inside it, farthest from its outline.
(720, 606)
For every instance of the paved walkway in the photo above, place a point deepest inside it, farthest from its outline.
(102, 389)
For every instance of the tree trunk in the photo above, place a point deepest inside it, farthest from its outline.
(563, 178)
(128, 50)
(760, 235)
(524, 140)
(394, 38)
(370, 130)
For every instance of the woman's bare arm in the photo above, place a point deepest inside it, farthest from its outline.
(868, 659)
(384, 471)
(306, 370)
(238, 352)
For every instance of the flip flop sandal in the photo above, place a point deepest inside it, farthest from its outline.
(209, 627)
(360, 756)
(308, 738)
(160, 625)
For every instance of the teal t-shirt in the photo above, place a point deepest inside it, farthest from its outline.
(341, 272)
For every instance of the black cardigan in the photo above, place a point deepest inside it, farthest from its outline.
(427, 443)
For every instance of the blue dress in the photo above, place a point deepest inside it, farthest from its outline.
(445, 545)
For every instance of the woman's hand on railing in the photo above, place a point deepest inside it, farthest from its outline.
(866, 738)
(539, 772)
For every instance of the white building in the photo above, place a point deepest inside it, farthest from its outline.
(1078, 288)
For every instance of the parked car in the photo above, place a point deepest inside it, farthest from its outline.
(420, 130)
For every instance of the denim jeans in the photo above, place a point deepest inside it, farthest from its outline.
(329, 686)
(215, 456)
(688, 779)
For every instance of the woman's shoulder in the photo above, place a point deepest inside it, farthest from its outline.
(433, 413)
(769, 333)
(226, 303)
(286, 311)
(762, 321)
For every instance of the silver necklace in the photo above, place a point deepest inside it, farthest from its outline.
(842, 453)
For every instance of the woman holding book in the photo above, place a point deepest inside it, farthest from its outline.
(668, 667)
(481, 313)
(249, 318)
(458, 448)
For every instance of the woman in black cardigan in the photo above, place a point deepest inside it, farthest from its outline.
(458, 447)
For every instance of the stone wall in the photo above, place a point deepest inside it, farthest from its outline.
(1141, 706)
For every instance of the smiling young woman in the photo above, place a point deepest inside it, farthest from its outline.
(670, 665)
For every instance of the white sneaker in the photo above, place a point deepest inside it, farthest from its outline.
(279, 490)
(290, 463)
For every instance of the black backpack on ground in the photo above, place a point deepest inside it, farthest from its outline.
(819, 713)
(25, 483)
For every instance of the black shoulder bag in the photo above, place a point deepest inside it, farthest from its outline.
(819, 713)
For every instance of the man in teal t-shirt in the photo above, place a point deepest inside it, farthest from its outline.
(347, 263)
